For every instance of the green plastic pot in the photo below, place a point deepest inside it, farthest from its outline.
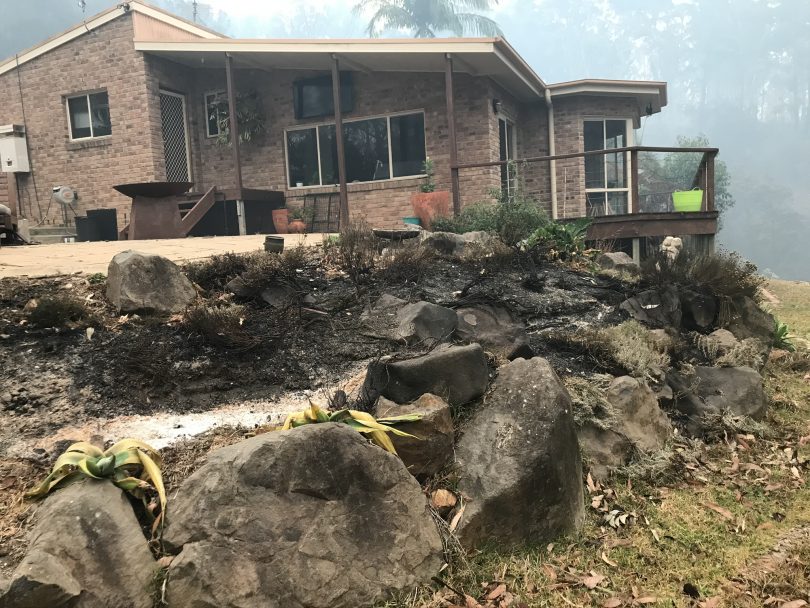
(687, 200)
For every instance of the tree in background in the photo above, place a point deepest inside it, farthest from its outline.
(427, 18)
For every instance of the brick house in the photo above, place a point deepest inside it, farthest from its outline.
(137, 95)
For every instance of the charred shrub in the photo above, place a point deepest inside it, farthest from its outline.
(408, 262)
(58, 311)
(221, 326)
(216, 271)
(723, 274)
(354, 251)
(263, 269)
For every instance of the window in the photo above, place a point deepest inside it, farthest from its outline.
(376, 149)
(606, 182)
(89, 115)
(313, 98)
(216, 108)
(506, 136)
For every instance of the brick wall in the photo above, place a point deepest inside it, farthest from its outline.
(569, 116)
(102, 59)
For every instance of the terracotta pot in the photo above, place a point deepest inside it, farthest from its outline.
(429, 205)
(297, 227)
(280, 220)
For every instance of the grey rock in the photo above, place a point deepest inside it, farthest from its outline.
(519, 462)
(457, 374)
(279, 296)
(748, 320)
(617, 260)
(138, 282)
(426, 323)
(713, 390)
(240, 289)
(495, 329)
(638, 416)
(87, 550)
(446, 243)
(699, 310)
(603, 449)
(433, 448)
(314, 517)
(723, 341)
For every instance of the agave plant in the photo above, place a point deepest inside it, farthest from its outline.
(782, 337)
(130, 464)
(377, 429)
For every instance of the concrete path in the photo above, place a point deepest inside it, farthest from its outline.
(68, 258)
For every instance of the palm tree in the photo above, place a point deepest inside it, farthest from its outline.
(426, 18)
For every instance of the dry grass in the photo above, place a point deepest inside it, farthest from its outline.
(407, 262)
(58, 311)
(222, 326)
(354, 251)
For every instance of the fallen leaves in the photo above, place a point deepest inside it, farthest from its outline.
(722, 511)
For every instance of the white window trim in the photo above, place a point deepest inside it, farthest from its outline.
(630, 142)
(206, 95)
(185, 129)
(86, 96)
(317, 125)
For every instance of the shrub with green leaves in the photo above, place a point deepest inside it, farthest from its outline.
(376, 428)
(560, 240)
(782, 337)
(130, 464)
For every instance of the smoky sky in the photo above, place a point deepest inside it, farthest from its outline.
(738, 73)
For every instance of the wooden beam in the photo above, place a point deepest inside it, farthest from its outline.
(634, 199)
(233, 122)
(451, 131)
(354, 65)
(710, 185)
(642, 225)
(13, 196)
(196, 213)
(341, 151)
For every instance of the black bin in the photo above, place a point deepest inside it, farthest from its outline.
(104, 224)
(83, 229)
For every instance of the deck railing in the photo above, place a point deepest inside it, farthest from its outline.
(651, 175)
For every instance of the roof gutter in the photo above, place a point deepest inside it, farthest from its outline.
(552, 151)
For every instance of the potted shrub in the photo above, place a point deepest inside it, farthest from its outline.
(299, 218)
(281, 220)
(429, 202)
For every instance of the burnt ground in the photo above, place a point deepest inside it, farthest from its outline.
(58, 377)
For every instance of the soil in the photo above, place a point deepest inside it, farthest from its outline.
(107, 376)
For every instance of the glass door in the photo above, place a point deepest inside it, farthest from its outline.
(606, 181)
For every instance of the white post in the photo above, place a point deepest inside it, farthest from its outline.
(240, 213)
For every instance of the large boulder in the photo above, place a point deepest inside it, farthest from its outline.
(655, 307)
(495, 329)
(637, 415)
(713, 390)
(433, 447)
(426, 323)
(748, 320)
(314, 517)
(603, 448)
(457, 374)
(618, 261)
(518, 460)
(87, 550)
(144, 282)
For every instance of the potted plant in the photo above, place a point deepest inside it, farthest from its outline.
(299, 218)
(429, 202)
(281, 220)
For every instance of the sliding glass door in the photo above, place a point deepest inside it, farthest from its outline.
(607, 184)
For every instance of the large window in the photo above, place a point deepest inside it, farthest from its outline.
(313, 97)
(606, 182)
(376, 149)
(89, 115)
(506, 138)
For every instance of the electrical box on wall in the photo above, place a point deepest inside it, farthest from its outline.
(13, 150)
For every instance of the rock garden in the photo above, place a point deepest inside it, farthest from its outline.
(475, 418)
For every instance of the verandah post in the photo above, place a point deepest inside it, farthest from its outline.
(451, 132)
(341, 152)
(233, 126)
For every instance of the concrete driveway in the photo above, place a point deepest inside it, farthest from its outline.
(68, 258)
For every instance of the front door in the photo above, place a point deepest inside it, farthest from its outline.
(175, 137)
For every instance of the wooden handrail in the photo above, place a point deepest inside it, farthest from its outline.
(536, 159)
(196, 213)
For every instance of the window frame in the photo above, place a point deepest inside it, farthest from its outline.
(628, 187)
(206, 95)
(510, 130)
(318, 125)
(86, 95)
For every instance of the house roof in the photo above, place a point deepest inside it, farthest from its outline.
(493, 57)
(134, 6)
(650, 95)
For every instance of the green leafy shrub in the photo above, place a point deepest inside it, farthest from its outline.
(362, 422)
(130, 464)
(97, 278)
(560, 240)
(58, 311)
(782, 337)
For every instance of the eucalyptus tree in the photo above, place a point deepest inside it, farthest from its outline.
(429, 18)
